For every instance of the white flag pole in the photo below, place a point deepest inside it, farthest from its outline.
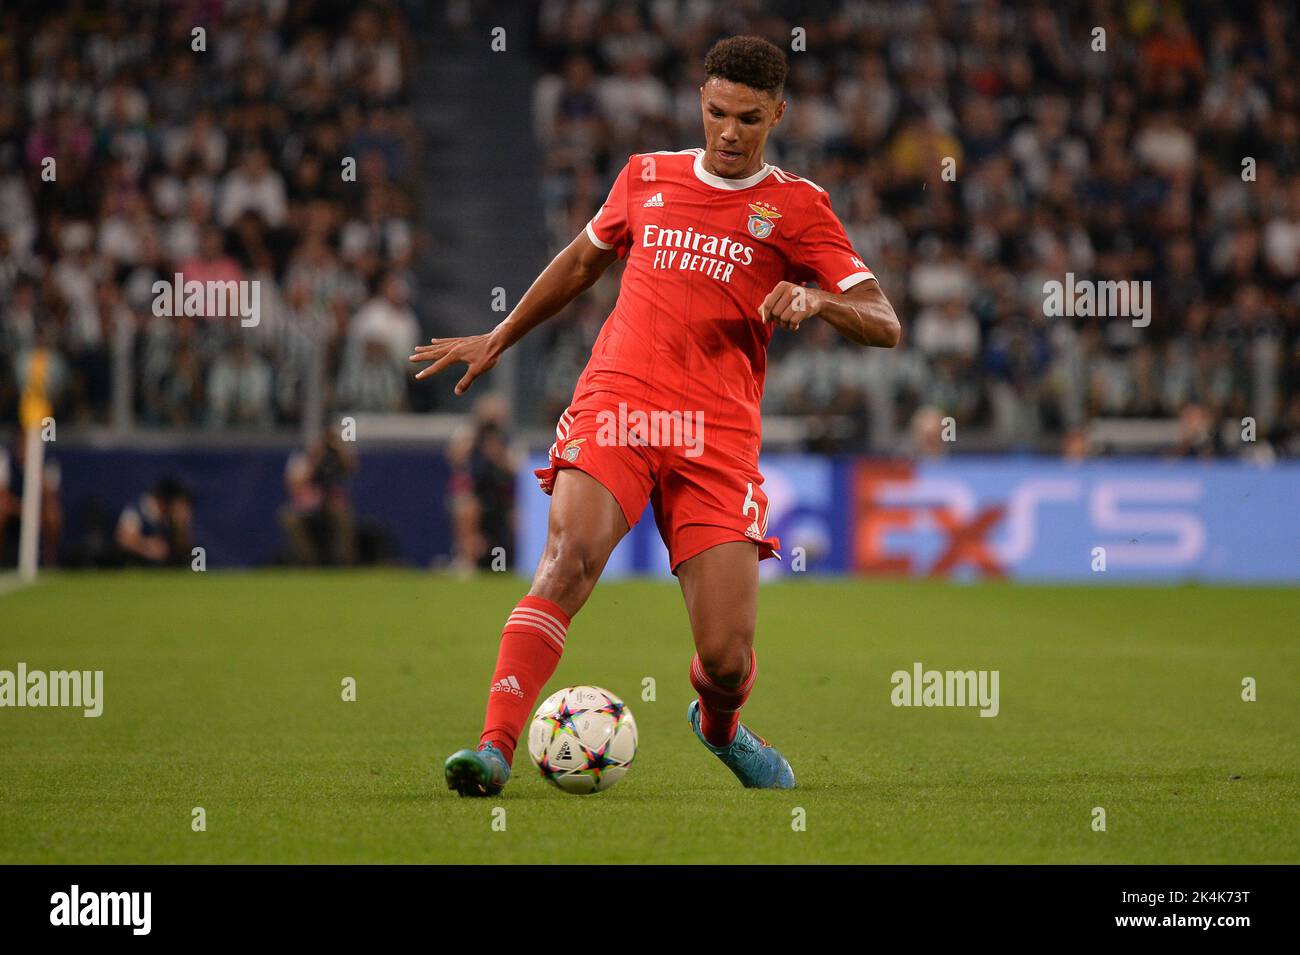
(29, 534)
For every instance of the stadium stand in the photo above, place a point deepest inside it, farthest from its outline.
(1173, 156)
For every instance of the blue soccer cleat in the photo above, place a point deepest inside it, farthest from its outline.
(755, 761)
(477, 772)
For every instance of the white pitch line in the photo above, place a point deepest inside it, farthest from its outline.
(11, 582)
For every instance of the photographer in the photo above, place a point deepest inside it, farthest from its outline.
(157, 531)
(482, 495)
(318, 517)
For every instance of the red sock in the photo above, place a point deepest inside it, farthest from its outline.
(720, 705)
(531, 644)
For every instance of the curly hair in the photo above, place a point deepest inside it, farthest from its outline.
(749, 60)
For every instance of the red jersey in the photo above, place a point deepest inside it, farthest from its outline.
(702, 253)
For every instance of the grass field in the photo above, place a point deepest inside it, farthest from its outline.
(223, 691)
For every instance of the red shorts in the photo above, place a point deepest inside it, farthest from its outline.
(706, 490)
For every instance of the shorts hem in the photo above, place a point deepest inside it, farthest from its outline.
(767, 547)
(546, 481)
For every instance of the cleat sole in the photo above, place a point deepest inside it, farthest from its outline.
(465, 776)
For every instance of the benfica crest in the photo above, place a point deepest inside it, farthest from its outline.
(761, 223)
(572, 450)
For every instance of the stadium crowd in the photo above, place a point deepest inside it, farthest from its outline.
(214, 140)
(1171, 155)
(976, 151)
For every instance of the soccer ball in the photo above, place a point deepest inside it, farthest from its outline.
(583, 739)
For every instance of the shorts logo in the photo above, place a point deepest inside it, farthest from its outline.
(761, 222)
(572, 449)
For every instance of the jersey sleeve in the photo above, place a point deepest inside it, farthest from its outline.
(609, 227)
(824, 254)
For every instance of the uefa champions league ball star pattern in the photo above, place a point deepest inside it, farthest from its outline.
(583, 739)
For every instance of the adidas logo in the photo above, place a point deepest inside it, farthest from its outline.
(655, 201)
(753, 531)
(565, 752)
(508, 684)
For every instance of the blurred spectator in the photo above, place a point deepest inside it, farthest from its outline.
(1076, 446)
(1285, 436)
(253, 186)
(947, 329)
(482, 490)
(318, 517)
(1197, 435)
(371, 381)
(239, 389)
(823, 383)
(387, 319)
(926, 434)
(157, 530)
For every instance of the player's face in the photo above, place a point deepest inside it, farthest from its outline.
(737, 121)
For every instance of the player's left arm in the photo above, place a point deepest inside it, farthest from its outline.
(862, 314)
(849, 296)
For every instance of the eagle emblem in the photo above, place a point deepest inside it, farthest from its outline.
(762, 221)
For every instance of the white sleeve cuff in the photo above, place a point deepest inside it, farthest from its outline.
(854, 279)
(595, 240)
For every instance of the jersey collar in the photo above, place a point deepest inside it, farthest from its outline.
(717, 182)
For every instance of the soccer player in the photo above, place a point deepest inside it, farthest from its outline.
(718, 245)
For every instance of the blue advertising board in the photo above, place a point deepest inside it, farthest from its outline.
(1031, 519)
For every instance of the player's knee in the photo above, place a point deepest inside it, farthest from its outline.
(726, 662)
(567, 569)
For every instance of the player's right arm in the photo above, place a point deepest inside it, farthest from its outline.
(605, 239)
(570, 274)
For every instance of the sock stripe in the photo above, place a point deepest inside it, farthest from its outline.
(697, 671)
(536, 620)
(542, 605)
(555, 644)
(550, 641)
(541, 615)
(748, 683)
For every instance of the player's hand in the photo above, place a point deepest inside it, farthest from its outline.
(479, 352)
(787, 305)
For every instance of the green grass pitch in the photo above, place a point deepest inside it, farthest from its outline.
(223, 690)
